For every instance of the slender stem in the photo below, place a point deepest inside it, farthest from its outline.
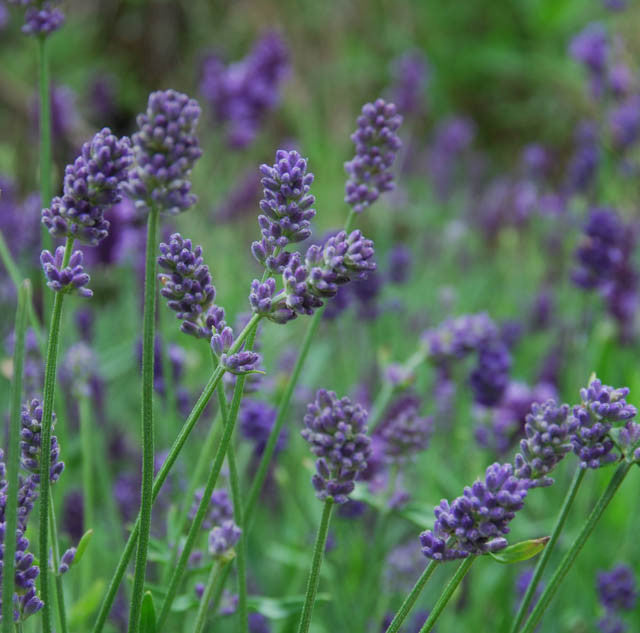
(148, 339)
(241, 550)
(203, 610)
(88, 457)
(380, 405)
(45, 444)
(219, 588)
(351, 218)
(62, 612)
(546, 552)
(162, 475)
(283, 409)
(45, 131)
(569, 558)
(194, 528)
(410, 600)
(444, 598)
(13, 459)
(316, 563)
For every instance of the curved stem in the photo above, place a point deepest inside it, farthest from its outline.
(316, 563)
(283, 409)
(203, 610)
(62, 611)
(13, 460)
(546, 552)
(194, 528)
(162, 475)
(569, 558)
(45, 442)
(461, 572)
(148, 339)
(410, 600)
(241, 550)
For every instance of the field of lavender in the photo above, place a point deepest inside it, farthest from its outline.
(319, 317)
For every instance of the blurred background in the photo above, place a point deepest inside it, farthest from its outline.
(520, 119)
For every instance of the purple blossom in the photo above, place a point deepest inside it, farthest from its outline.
(490, 377)
(19, 220)
(92, 184)
(591, 47)
(40, 18)
(592, 420)
(617, 589)
(369, 172)
(611, 623)
(337, 433)
(400, 261)
(219, 510)
(583, 164)
(404, 431)
(258, 623)
(256, 419)
(73, 514)
(478, 520)
(165, 149)
(546, 443)
(410, 77)
(241, 94)
(624, 123)
(223, 537)
(68, 279)
(66, 560)
(536, 161)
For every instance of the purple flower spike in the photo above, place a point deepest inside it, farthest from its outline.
(222, 538)
(41, 18)
(66, 561)
(187, 285)
(478, 520)
(546, 444)
(92, 184)
(456, 338)
(617, 589)
(490, 378)
(336, 430)
(30, 446)
(377, 143)
(628, 439)
(404, 431)
(165, 149)
(70, 279)
(241, 363)
(220, 508)
(602, 407)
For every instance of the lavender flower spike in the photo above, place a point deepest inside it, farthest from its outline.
(478, 520)
(617, 589)
(41, 18)
(223, 537)
(547, 442)
(70, 279)
(30, 446)
(92, 184)
(376, 141)
(602, 406)
(187, 285)
(165, 149)
(336, 430)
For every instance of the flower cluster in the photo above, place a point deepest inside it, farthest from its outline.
(592, 420)
(220, 508)
(377, 142)
(223, 537)
(222, 339)
(490, 377)
(68, 279)
(477, 521)
(546, 443)
(92, 184)
(404, 431)
(256, 419)
(456, 338)
(165, 149)
(336, 430)
(591, 48)
(187, 285)
(40, 18)
(30, 447)
(617, 592)
(241, 94)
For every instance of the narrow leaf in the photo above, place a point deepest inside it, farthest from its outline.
(520, 551)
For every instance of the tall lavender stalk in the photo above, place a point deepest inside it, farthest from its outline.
(165, 149)
(13, 460)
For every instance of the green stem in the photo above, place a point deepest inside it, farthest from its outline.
(14, 275)
(146, 500)
(45, 131)
(203, 610)
(194, 528)
(162, 475)
(410, 600)
(45, 446)
(316, 563)
(569, 558)
(62, 612)
(351, 218)
(546, 552)
(283, 409)
(380, 405)
(13, 460)
(241, 550)
(88, 457)
(461, 572)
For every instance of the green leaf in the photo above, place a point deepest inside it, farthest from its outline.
(148, 614)
(280, 608)
(82, 546)
(520, 551)
(184, 603)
